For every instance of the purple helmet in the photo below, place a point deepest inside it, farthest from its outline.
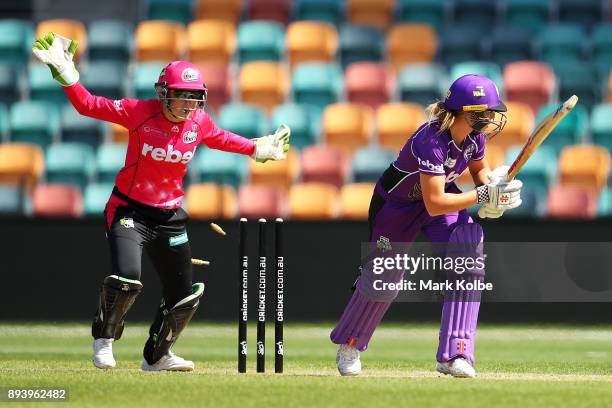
(473, 93)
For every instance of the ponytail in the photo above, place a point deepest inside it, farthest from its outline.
(438, 112)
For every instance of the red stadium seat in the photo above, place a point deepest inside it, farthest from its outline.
(219, 83)
(57, 200)
(274, 10)
(368, 83)
(325, 164)
(261, 201)
(531, 82)
(572, 202)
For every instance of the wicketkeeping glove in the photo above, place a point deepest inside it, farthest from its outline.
(57, 52)
(272, 147)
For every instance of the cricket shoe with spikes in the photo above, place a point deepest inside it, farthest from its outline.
(169, 362)
(103, 354)
(348, 361)
(459, 368)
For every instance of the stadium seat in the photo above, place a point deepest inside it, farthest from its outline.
(571, 130)
(558, 42)
(228, 10)
(578, 78)
(458, 43)
(585, 166)
(329, 11)
(376, 13)
(318, 84)
(313, 201)
(210, 201)
(264, 84)
(370, 162)
(279, 173)
(160, 41)
(78, 128)
(533, 14)
(216, 166)
(43, 87)
(348, 126)
(4, 123)
(325, 164)
(411, 43)
(572, 202)
(311, 41)
(173, 10)
(422, 83)
(70, 163)
(260, 41)
(106, 79)
(119, 134)
(11, 200)
(243, 119)
(432, 12)
(10, 83)
(95, 197)
(271, 10)
(534, 203)
(397, 122)
(488, 69)
(368, 83)
(219, 83)
(530, 82)
(475, 11)
(509, 44)
(360, 43)
(16, 38)
(21, 164)
(110, 40)
(57, 200)
(601, 45)
(304, 121)
(110, 158)
(211, 41)
(145, 77)
(355, 200)
(34, 122)
(540, 171)
(75, 30)
(587, 13)
(520, 123)
(601, 125)
(255, 201)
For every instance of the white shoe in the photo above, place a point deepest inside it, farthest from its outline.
(169, 362)
(458, 367)
(103, 354)
(348, 361)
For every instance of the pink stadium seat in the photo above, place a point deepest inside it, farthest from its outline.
(572, 202)
(530, 82)
(275, 10)
(57, 200)
(261, 201)
(325, 164)
(368, 83)
(219, 83)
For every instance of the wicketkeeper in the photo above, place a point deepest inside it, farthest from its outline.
(144, 210)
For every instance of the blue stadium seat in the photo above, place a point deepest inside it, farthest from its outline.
(331, 11)
(580, 78)
(42, 85)
(481, 12)
(243, 119)
(540, 170)
(106, 79)
(34, 122)
(220, 167)
(602, 49)
(422, 83)
(16, 39)
(4, 123)
(360, 43)
(534, 204)
(489, 69)
(561, 42)
(509, 44)
(370, 162)
(70, 163)
(11, 200)
(145, 77)
(604, 207)
(533, 14)
(432, 12)
(81, 129)
(587, 13)
(95, 197)
(10, 83)
(571, 130)
(601, 125)
(173, 10)
(317, 83)
(110, 158)
(460, 43)
(110, 40)
(304, 121)
(260, 41)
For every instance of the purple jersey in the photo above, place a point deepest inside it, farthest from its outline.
(431, 152)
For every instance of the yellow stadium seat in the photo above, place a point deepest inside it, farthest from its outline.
(495, 157)
(264, 84)
(584, 165)
(411, 43)
(210, 201)
(397, 122)
(21, 164)
(348, 126)
(280, 173)
(311, 41)
(119, 134)
(355, 199)
(228, 10)
(313, 201)
(520, 123)
(211, 41)
(160, 41)
(75, 30)
(377, 13)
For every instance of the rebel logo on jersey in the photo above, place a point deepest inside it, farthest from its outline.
(170, 155)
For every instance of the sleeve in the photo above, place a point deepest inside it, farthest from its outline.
(221, 139)
(120, 111)
(429, 157)
(481, 143)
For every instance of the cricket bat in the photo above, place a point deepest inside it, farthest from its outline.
(540, 133)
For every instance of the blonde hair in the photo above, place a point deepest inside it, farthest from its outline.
(438, 112)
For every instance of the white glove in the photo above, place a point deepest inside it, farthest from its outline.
(57, 52)
(501, 196)
(497, 176)
(272, 147)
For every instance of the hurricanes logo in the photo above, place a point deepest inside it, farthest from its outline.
(479, 91)
(127, 222)
(383, 244)
(469, 152)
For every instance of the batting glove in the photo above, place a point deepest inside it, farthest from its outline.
(499, 175)
(57, 52)
(501, 196)
(273, 147)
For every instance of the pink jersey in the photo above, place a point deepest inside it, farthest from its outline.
(158, 150)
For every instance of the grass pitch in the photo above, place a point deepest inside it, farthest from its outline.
(550, 366)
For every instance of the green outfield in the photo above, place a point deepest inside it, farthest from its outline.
(543, 366)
